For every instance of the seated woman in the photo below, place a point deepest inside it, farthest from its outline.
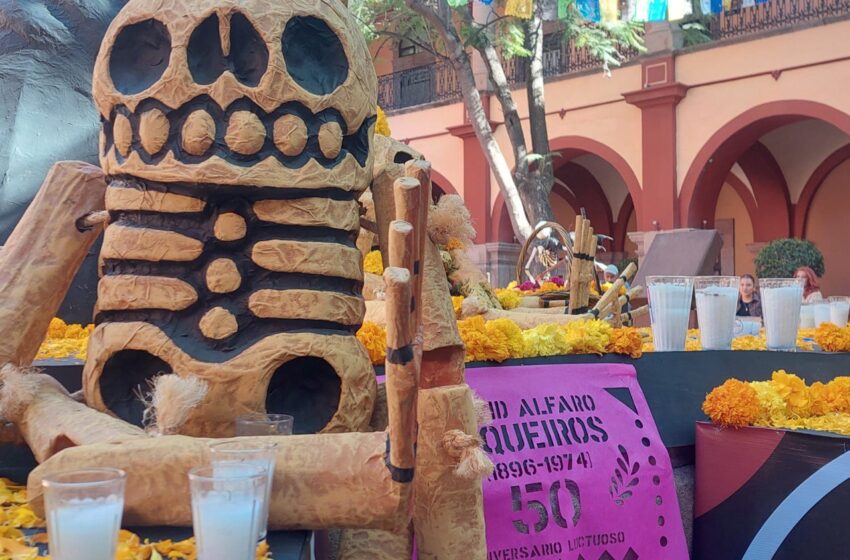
(749, 303)
(811, 291)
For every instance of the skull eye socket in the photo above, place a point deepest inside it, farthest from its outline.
(314, 55)
(248, 56)
(139, 56)
(206, 60)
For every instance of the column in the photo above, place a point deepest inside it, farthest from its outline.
(657, 100)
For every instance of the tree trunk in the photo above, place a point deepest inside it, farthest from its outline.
(439, 17)
(536, 187)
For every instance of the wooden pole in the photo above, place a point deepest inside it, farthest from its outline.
(629, 318)
(43, 254)
(407, 201)
(401, 373)
(576, 264)
(420, 171)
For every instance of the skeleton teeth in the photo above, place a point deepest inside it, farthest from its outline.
(153, 130)
(198, 133)
(223, 276)
(218, 323)
(330, 139)
(290, 135)
(245, 133)
(122, 131)
(230, 227)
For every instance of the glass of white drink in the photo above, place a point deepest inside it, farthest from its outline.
(717, 303)
(227, 500)
(84, 509)
(251, 453)
(839, 309)
(264, 425)
(822, 313)
(781, 299)
(807, 316)
(669, 310)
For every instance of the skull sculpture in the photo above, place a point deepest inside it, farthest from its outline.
(237, 136)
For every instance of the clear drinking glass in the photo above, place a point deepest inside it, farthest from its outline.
(227, 500)
(781, 300)
(839, 309)
(669, 310)
(264, 425)
(807, 316)
(822, 313)
(84, 509)
(717, 303)
(254, 454)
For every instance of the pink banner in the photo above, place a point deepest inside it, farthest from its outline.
(581, 472)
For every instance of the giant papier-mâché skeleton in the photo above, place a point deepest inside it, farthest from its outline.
(236, 138)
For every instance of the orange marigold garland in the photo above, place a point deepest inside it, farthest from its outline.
(626, 340)
(733, 404)
(833, 338)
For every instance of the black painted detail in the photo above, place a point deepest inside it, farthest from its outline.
(307, 389)
(139, 56)
(126, 376)
(402, 157)
(402, 476)
(415, 267)
(400, 356)
(248, 58)
(355, 143)
(314, 55)
(182, 329)
(221, 194)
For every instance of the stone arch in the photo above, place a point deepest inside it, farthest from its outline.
(710, 167)
(801, 211)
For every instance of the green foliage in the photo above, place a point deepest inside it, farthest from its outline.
(780, 258)
(395, 19)
(694, 33)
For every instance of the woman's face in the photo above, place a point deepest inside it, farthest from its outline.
(802, 275)
(610, 277)
(747, 287)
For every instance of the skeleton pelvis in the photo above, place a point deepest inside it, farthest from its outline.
(325, 380)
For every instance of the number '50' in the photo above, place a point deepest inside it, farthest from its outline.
(539, 506)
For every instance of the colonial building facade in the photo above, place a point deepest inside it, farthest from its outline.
(748, 134)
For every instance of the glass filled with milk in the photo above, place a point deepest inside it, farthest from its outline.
(254, 454)
(781, 300)
(227, 500)
(822, 313)
(84, 509)
(669, 310)
(717, 303)
(807, 316)
(839, 309)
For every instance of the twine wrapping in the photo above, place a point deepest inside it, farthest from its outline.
(466, 449)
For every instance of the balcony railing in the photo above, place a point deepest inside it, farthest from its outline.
(775, 15)
(437, 82)
(416, 86)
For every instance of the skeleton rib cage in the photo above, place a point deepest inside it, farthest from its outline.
(237, 136)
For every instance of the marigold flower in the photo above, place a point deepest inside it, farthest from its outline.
(793, 391)
(508, 298)
(833, 338)
(626, 340)
(587, 337)
(734, 404)
(373, 263)
(454, 244)
(374, 339)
